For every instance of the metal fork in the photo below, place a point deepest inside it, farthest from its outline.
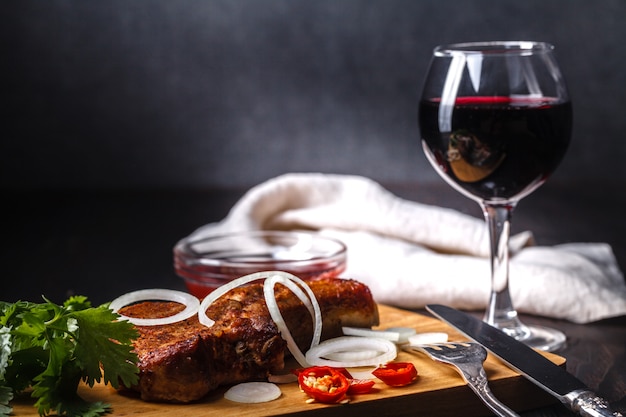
(468, 359)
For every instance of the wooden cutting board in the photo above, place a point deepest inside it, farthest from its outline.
(439, 390)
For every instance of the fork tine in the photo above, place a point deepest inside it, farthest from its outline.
(446, 352)
(448, 346)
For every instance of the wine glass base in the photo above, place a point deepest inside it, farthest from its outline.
(544, 338)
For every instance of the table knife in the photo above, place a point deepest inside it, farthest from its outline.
(555, 380)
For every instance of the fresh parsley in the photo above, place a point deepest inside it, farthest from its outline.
(49, 349)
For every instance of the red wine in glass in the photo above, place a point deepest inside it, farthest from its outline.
(495, 121)
(498, 148)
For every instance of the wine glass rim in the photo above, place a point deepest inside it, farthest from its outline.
(493, 48)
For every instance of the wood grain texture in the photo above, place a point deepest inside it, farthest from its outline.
(439, 390)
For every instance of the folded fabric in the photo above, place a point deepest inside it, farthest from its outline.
(412, 254)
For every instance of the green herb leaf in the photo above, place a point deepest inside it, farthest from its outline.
(104, 341)
(6, 395)
(52, 348)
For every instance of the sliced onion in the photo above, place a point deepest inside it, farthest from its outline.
(403, 332)
(352, 356)
(290, 281)
(253, 392)
(191, 305)
(395, 334)
(386, 349)
(363, 332)
(220, 291)
(428, 338)
(294, 284)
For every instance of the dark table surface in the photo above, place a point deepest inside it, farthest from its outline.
(104, 243)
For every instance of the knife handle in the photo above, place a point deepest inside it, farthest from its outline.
(588, 404)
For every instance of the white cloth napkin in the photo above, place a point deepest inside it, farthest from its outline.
(412, 254)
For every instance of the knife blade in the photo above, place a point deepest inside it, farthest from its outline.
(538, 369)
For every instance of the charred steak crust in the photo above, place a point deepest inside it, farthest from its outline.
(184, 361)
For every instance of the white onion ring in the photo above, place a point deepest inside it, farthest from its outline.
(365, 332)
(387, 351)
(253, 392)
(191, 305)
(294, 284)
(351, 356)
(403, 332)
(290, 281)
(220, 291)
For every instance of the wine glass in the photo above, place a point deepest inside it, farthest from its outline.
(495, 121)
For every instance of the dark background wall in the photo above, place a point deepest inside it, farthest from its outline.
(194, 94)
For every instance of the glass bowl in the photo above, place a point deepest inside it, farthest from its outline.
(206, 263)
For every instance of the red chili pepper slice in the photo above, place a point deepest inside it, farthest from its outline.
(396, 374)
(360, 386)
(323, 383)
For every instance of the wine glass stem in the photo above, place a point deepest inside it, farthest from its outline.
(500, 311)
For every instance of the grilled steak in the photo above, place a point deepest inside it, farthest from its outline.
(184, 361)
